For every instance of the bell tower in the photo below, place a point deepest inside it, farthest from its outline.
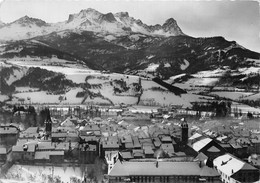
(184, 131)
(48, 123)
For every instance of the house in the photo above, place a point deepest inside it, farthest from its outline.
(168, 148)
(235, 170)
(256, 144)
(90, 129)
(88, 154)
(49, 156)
(127, 155)
(148, 152)
(30, 133)
(3, 154)
(138, 153)
(136, 142)
(147, 142)
(23, 152)
(209, 147)
(156, 142)
(165, 138)
(8, 135)
(109, 144)
(64, 137)
(162, 172)
(127, 142)
(111, 158)
(69, 122)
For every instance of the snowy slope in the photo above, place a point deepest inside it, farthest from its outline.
(86, 20)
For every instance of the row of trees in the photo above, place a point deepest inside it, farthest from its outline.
(28, 117)
(222, 108)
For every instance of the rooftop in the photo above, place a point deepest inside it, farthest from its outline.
(8, 130)
(229, 164)
(197, 146)
(163, 169)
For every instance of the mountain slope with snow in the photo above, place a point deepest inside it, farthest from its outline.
(86, 20)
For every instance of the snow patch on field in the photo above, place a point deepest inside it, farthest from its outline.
(232, 95)
(17, 74)
(245, 108)
(148, 84)
(44, 97)
(31, 173)
(172, 78)
(185, 65)
(253, 97)
(134, 37)
(152, 67)
(110, 38)
(3, 98)
(210, 73)
(249, 70)
(150, 56)
(25, 89)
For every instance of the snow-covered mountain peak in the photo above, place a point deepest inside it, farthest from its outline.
(121, 14)
(2, 24)
(172, 27)
(26, 20)
(87, 20)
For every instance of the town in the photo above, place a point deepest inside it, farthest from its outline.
(128, 144)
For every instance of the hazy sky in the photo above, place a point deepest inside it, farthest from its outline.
(235, 20)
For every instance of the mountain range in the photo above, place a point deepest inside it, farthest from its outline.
(122, 44)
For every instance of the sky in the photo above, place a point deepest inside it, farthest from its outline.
(234, 20)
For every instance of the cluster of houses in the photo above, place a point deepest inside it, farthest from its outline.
(160, 152)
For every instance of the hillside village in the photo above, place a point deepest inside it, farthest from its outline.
(116, 145)
(106, 98)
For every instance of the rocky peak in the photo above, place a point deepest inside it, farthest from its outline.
(171, 26)
(26, 20)
(85, 13)
(109, 17)
(122, 14)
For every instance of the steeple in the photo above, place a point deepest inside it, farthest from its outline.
(184, 131)
(48, 123)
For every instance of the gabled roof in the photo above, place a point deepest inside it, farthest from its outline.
(213, 149)
(195, 136)
(201, 157)
(197, 146)
(229, 164)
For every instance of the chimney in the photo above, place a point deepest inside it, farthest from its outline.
(200, 164)
(157, 164)
(25, 147)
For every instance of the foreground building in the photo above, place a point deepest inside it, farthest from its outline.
(234, 170)
(136, 171)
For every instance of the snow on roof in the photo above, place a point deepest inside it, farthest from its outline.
(2, 150)
(213, 149)
(194, 136)
(148, 150)
(67, 123)
(163, 169)
(8, 130)
(42, 155)
(229, 164)
(197, 146)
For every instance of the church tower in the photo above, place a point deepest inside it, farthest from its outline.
(48, 123)
(184, 131)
